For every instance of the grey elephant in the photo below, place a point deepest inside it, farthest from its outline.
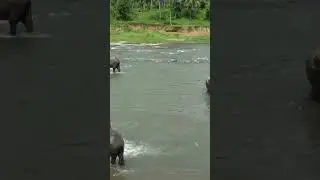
(115, 64)
(16, 11)
(313, 70)
(208, 83)
(116, 147)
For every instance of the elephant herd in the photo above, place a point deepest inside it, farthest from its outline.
(312, 69)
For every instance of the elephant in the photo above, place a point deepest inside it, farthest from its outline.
(116, 147)
(16, 11)
(313, 70)
(209, 88)
(115, 64)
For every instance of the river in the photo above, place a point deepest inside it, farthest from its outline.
(159, 103)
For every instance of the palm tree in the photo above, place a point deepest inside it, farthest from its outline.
(144, 4)
(191, 4)
(170, 5)
(160, 2)
(160, 8)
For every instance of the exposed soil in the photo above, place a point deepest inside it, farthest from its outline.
(181, 30)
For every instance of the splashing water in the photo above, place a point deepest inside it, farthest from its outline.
(133, 149)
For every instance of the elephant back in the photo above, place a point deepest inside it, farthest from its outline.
(116, 138)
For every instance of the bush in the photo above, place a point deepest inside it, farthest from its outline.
(203, 4)
(177, 9)
(190, 13)
(165, 15)
(123, 10)
(208, 14)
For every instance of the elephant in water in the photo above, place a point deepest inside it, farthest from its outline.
(16, 11)
(208, 85)
(209, 88)
(313, 70)
(115, 64)
(116, 147)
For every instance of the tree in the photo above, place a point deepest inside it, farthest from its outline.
(208, 17)
(177, 8)
(160, 8)
(191, 5)
(170, 16)
(124, 10)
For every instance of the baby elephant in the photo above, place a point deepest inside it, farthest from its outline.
(115, 64)
(116, 147)
(208, 86)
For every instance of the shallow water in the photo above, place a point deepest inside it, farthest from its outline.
(159, 103)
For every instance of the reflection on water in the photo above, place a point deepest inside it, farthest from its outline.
(159, 103)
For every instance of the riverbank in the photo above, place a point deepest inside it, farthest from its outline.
(158, 33)
(154, 26)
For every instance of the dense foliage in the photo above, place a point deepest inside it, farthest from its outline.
(165, 9)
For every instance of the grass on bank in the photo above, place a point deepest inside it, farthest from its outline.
(153, 17)
(144, 36)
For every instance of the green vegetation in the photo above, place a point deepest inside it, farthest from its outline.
(148, 21)
(145, 36)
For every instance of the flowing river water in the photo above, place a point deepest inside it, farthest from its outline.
(159, 104)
